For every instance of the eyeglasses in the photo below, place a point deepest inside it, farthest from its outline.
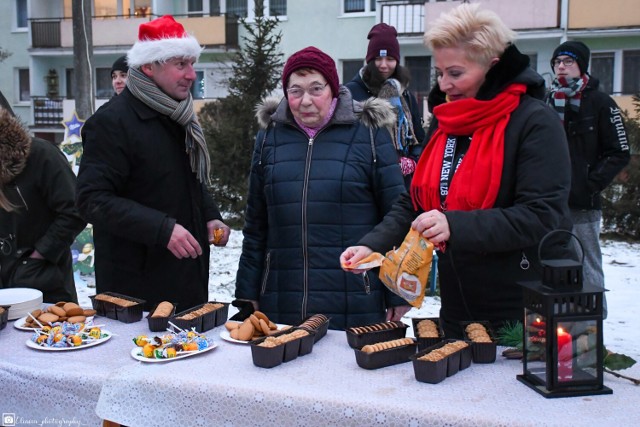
(567, 62)
(298, 92)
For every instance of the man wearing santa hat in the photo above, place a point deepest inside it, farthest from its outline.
(144, 173)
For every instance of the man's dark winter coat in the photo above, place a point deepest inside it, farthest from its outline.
(134, 185)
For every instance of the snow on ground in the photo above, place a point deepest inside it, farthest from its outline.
(622, 274)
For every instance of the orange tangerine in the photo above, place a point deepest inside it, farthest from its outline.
(147, 350)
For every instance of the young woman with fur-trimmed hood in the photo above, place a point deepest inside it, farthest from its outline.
(323, 173)
(38, 219)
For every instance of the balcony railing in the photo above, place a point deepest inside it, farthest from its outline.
(217, 30)
(47, 112)
(407, 17)
(45, 33)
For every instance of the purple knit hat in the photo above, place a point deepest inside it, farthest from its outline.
(312, 57)
(383, 42)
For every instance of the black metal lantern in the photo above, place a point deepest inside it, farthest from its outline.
(562, 340)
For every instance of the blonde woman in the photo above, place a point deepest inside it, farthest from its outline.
(494, 176)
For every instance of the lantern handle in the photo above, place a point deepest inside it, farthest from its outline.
(559, 231)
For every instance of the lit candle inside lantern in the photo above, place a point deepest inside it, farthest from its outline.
(538, 323)
(565, 356)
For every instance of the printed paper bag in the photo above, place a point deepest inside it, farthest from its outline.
(405, 271)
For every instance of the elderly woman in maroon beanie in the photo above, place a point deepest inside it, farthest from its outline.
(323, 173)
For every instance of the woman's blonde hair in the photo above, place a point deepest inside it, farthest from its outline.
(479, 32)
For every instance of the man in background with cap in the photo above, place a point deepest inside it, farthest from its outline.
(598, 146)
(119, 72)
(144, 173)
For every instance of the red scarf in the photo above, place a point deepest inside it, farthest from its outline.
(476, 182)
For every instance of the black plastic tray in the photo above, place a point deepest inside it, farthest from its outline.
(159, 324)
(269, 357)
(358, 341)
(384, 358)
(427, 342)
(319, 332)
(116, 312)
(205, 322)
(482, 352)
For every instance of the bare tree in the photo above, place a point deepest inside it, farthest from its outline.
(4, 54)
(83, 57)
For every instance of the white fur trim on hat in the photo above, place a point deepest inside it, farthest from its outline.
(159, 50)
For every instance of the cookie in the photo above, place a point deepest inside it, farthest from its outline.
(246, 330)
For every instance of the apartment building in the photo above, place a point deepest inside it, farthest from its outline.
(38, 76)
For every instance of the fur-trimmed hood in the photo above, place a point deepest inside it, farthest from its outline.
(15, 145)
(373, 112)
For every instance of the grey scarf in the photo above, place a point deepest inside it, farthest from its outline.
(143, 88)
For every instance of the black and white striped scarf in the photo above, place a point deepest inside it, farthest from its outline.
(143, 88)
(567, 92)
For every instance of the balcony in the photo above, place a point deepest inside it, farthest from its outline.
(47, 112)
(406, 16)
(617, 14)
(111, 31)
(533, 15)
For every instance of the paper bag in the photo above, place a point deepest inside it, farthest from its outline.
(405, 271)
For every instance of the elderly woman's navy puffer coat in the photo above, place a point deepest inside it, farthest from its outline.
(311, 198)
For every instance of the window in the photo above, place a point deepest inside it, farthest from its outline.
(359, 6)
(194, 8)
(630, 72)
(104, 89)
(214, 8)
(199, 8)
(602, 68)
(197, 88)
(277, 7)
(420, 83)
(21, 14)
(69, 75)
(237, 8)
(24, 86)
(350, 69)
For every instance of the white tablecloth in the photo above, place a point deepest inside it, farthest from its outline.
(326, 387)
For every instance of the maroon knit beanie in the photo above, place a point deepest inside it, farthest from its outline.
(383, 42)
(312, 57)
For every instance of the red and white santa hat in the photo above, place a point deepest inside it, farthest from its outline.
(162, 39)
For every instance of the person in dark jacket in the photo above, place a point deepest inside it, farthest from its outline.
(119, 73)
(598, 147)
(493, 179)
(142, 180)
(319, 181)
(38, 219)
(384, 77)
